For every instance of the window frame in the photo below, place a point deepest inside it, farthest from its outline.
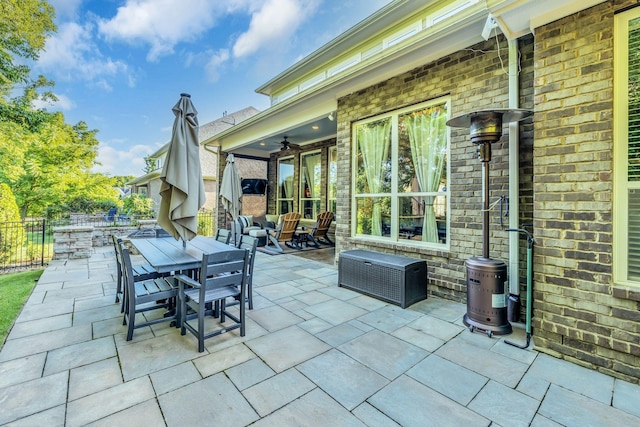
(301, 180)
(279, 197)
(395, 194)
(621, 183)
(332, 179)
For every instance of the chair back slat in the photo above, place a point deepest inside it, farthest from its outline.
(223, 235)
(289, 225)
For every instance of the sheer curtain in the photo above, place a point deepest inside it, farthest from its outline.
(311, 162)
(374, 141)
(288, 192)
(428, 139)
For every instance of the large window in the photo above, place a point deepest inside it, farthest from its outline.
(285, 185)
(626, 220)
(310, 184)
(401, 175)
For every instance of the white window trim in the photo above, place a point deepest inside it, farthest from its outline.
(621, 185)
(395, 194)
(278, 198)
(301, 199)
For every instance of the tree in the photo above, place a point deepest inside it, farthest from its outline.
(51, 166)
(150, 164)
(24, 28)
(11, 233)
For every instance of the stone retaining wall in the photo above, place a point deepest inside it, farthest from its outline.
(75, 242)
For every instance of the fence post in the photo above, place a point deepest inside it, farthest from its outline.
(44, 232)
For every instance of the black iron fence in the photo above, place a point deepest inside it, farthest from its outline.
(25, 244)
(28, 244)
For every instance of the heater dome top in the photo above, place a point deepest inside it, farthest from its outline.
(505, 115)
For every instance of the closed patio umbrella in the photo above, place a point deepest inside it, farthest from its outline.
(231, 189)
(182, 189)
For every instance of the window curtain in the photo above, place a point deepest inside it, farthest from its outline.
(287, 185)
(428, 139)
(310, 163)
(374, 141)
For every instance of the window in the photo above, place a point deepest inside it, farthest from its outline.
(626, 196)
(332, 183)
(285, 185)
(310, 184)
(401, 175)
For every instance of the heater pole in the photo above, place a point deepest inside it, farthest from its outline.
(485, 209)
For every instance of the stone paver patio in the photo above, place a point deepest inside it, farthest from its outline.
(314, 354)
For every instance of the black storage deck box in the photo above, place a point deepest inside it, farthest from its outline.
(397, 279)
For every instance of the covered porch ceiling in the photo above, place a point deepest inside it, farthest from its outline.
(304, 118)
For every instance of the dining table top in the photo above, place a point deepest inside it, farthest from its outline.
(166, 254)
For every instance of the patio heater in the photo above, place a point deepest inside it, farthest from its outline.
(486, 277)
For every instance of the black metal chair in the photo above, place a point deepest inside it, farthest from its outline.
(222, 275)
(143, 296)
(140, 272)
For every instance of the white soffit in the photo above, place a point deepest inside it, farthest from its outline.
(521, 17)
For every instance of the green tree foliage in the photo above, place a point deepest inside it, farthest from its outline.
(12, 234)
(52, 166)
(150, 164)
(45, 161)
(24, 28)
(139, 206)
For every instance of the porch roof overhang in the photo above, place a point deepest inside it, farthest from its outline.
(260, 135)
(145, 179)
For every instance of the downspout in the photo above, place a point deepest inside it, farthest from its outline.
(514, 170)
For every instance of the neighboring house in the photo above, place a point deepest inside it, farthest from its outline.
(149, 184)
(353, 105)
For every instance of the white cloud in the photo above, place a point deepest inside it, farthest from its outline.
(273, 25)
(63, 103)
(120, 162)
(71, 54)
(160, 23)
(65, 8)
(216, 62)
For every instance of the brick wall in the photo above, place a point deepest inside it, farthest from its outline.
(474, 79)
(577, 315)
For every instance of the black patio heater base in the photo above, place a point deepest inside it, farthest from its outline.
(486, 277)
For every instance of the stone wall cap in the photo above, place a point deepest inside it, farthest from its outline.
(73, 228)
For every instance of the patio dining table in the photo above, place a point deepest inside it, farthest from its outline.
(166, 254)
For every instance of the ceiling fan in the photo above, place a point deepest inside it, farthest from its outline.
(286, 145)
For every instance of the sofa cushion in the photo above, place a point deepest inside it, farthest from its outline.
(245, 221)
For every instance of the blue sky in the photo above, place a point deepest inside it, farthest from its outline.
(120, 65)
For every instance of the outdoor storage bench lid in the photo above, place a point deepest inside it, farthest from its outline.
(387, 260)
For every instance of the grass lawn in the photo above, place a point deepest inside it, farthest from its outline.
(14, 291)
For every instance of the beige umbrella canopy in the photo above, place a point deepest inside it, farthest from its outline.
(182, 188)
(231, 188)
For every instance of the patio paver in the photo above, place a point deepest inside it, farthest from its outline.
(313, 354)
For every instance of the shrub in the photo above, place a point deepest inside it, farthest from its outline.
(12, 236)
(139, 205)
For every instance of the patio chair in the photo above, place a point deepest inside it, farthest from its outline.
(110, 216)
(147, 295)
(223, 235)
(140, 272)
(319, 231)
(250, 244)
(284, 233)
(222, 275)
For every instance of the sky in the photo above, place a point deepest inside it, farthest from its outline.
(120, 65)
